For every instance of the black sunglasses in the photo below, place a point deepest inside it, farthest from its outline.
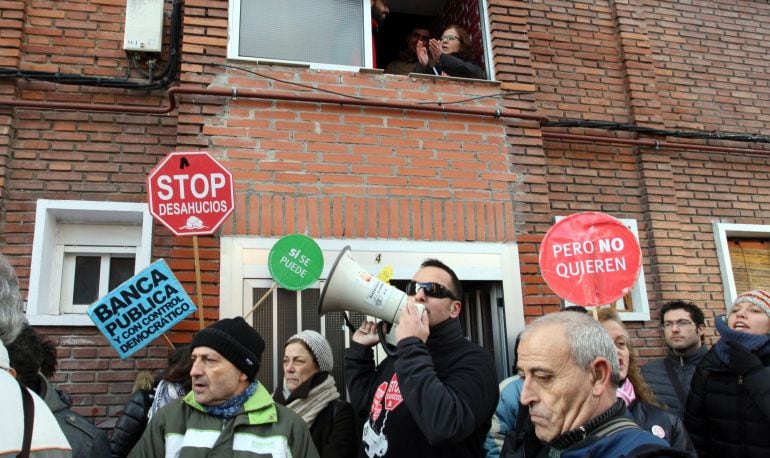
(430, 289)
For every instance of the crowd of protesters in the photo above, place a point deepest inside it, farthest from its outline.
(578, 390)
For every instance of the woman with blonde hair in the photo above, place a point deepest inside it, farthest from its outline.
(644, 409)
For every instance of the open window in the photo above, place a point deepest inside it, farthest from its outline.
(338, 34)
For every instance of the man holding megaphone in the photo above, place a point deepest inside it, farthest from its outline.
(436, 396)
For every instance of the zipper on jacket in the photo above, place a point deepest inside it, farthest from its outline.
(741, 419)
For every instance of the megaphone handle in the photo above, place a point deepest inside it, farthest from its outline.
(348, 323)
(389, 349)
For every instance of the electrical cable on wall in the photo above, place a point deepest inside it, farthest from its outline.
(164, 79)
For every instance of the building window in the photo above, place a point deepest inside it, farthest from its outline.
(81, 251)
(92, 272)
(338, 35)
(744, 257)
(492, 313)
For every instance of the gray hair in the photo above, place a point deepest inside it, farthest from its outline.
(586, 337)
(11, 306)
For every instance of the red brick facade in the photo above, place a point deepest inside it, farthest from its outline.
(344, 170)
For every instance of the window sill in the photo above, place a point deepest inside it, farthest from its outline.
(60, 320)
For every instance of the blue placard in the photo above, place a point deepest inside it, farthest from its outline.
(142, 308)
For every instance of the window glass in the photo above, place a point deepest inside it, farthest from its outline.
(121, 269)
(319, 31)
(750, 259)
(86, 288)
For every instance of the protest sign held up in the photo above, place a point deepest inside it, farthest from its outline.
(295, 262)
(141, 309)
(590, 259)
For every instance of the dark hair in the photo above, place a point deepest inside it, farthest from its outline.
(179, 364)
(456, 286)
(576, 308)
(26, 355)
(49, 360)
(695, 312)
(466, 50)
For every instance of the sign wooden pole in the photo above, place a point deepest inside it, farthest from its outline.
(168, 341)
(198, 282)
(261, 300)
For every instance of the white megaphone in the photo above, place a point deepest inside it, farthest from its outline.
(350, 287)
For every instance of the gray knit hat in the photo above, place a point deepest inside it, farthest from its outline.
(756, 297)
(319, 347)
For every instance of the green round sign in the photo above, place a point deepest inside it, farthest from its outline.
(295, 262)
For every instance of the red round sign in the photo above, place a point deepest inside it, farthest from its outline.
(190, 193)
(590, 259)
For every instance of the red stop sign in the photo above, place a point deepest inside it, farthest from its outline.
(190, 193)
(590, 259)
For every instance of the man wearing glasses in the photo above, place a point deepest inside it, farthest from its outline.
(670, 376)
(437, 396)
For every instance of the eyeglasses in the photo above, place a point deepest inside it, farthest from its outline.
(449, 38)
(678, 323)
(431, 289)
(420, 36)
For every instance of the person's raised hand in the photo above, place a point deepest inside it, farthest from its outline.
(435, 48)
(366, 334)
(412, 322)
(422, 54)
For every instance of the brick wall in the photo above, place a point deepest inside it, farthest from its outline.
(337, 170)
(653, 64)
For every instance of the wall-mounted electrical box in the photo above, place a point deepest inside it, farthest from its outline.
(144, 25)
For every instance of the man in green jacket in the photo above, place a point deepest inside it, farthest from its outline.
(228, 413)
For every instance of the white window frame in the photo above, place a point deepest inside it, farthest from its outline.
(70, 254)
(67, 226)
(245, 258)
(638, 293)
(723, 232)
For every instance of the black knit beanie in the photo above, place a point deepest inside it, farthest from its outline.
(235, 340)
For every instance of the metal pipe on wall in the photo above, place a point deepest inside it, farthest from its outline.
(498, 113)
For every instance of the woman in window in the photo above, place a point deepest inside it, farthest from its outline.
(641, 403)
(728, 409)
(310, 391)
(452, 55)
